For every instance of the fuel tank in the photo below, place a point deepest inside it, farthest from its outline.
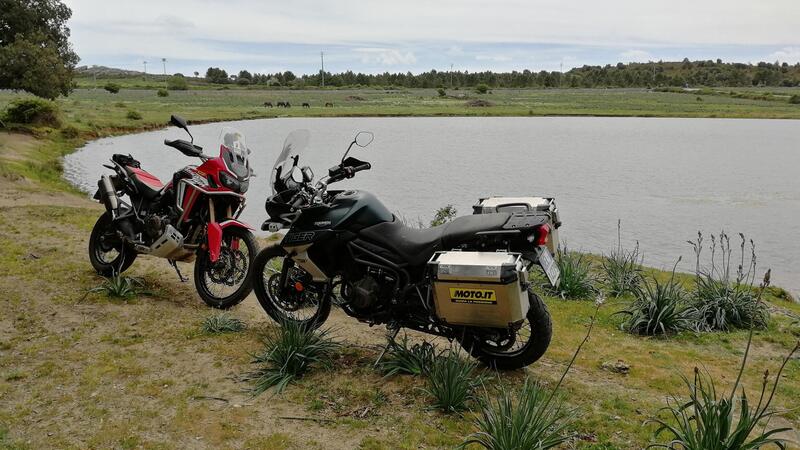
(349, 210)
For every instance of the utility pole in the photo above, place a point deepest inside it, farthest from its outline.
(144, 77)
(322, 71)
(164, 61)
(561, 73)
(451, 75)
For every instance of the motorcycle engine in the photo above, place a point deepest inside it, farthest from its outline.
(368, 290)
(154, 225)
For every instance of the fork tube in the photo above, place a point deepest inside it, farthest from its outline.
(211, 210)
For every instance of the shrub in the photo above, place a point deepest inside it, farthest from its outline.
(133, 115)
(441, 92)
(177, 83)
(481, 89)
(577, 280)
(622, 269)
(400, 358)
(223, 322)
(659, 308)
(119, 286)
(711, 421)
(725, 299)
(70, 132)
(452, 381)
(112, 87)
(162, 93)
(288, 354)
(794, 99)
(33, 111)
(443, 215)
(537, 420)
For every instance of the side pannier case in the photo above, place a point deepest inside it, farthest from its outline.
(484, 289)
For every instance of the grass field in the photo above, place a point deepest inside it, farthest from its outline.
(85, 371)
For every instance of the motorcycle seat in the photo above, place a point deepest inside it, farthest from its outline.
(416, 246)
(148, 184)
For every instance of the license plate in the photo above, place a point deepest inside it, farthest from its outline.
(549, 266)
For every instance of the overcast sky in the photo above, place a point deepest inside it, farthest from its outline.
(416, 35)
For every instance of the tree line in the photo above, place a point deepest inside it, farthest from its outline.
(652, 74)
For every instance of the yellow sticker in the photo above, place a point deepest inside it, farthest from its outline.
(474, 296)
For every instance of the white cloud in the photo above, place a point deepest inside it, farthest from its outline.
(636, 56)
(789, 55)
(385, 56)
(495, 58)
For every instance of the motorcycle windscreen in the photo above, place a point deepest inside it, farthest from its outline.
(289, 159)
(233, 150)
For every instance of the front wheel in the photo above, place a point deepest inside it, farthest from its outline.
(227, 281)
(299, 299)
(507, 350)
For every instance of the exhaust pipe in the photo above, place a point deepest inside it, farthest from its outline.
(109, 195)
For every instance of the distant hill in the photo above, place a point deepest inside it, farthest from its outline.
(103, 71)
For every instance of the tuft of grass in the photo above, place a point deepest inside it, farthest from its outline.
(119, 286)
(659, 309)
(577, 280)
(622, 268)
(402, 358)
(452, 381)
(726, 299)
(709, 421)
(536, 420)
(222, 322)
(288, 354)
(134, 115)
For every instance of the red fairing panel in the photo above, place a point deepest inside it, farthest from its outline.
(215, 235)
(147, 178)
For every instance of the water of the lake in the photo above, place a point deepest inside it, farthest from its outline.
(665, 178)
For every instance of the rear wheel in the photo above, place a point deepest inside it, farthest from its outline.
(301, 300)
(227, 281)
(107, 252)
(506, 350)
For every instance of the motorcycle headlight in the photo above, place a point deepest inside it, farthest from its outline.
(229, 182)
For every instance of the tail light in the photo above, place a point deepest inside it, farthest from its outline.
(542, 232)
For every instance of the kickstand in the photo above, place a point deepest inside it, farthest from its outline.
(392, 331)
(178, 271)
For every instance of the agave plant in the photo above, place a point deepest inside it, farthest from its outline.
(577, 280)
(222, 322)
(403, 358)
(659, 308)
(709, 421)
(452, 381)
(622, 268)
(289, 354)
(725, 298)
(119, 286)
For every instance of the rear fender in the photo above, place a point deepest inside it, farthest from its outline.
(215, 231)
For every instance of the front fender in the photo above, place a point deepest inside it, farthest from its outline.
(215, 230)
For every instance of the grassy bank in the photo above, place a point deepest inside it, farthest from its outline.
(86, 371)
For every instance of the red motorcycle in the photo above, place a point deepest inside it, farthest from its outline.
(194, 216)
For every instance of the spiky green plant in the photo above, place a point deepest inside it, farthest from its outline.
(403, 358)
(530, 419)
(622, 268)
(577, 280)
(222, 322)
(538, 420)
(452, 381)
(708, 421)
(119, 286)
(725, 298)
(660, 308)
(288, 354)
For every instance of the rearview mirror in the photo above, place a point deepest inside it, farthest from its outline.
(308, 174)
(364, 138)
(179, 122)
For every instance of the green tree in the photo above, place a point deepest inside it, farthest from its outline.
(35, 53)
(177, 82)
(216, 75)
(481, 88)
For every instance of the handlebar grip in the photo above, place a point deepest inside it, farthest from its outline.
(365, 166)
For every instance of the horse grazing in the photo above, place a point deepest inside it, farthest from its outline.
(267, 104)
(306, 105)
(329, 105)
(287, 105)
(281, 104)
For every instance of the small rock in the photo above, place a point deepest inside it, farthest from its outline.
(236, 405)
(619, 366)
